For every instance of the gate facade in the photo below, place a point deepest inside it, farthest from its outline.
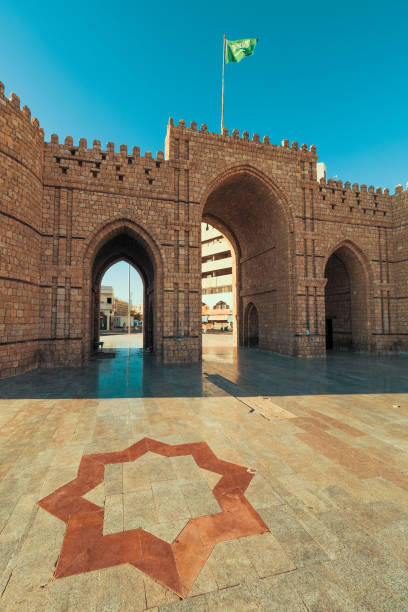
(68, 211)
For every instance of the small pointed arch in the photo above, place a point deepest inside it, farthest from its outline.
(122, 239)
(251, 325)
(348, 310)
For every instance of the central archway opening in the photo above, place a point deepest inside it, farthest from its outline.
(123, 246)
(246, 209)
(121, 310)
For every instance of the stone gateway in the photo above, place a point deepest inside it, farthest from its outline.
(317, 264)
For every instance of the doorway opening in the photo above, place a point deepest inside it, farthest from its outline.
(346, 301)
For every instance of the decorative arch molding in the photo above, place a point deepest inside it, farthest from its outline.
(280, 197)
(357, 251)
(107, 231)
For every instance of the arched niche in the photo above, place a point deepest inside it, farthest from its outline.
(251, 326)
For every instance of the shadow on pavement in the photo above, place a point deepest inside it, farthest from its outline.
(224, 371)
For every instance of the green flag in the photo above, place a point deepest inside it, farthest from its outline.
(237, 49)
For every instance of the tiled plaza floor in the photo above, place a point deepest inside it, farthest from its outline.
(250, 482)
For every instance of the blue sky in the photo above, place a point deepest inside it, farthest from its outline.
(324, 73)
(117, 277)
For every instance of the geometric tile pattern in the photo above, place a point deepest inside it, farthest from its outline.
(175, 565)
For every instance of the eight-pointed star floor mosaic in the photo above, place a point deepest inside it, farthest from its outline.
(175, 565)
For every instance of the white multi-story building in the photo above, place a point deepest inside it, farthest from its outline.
(106, 305)
(216, 273)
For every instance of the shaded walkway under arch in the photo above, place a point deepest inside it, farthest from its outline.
(254, 216)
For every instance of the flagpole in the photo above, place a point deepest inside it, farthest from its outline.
(223, 73)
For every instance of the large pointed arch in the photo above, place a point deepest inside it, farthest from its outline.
(254, 214)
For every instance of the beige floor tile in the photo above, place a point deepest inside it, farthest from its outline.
(113, 521)
(186, 469)
(200, 499)
(271, 594)
(170, 502)
(165, 531)
(136, 476)
(261, 494)
(230, 565)
(192, 604)
(120, 589)
(156, 594)
(266, 555)
(211, 478)
(237, 598)
(113, 478)
(139, 509)
(96, 495)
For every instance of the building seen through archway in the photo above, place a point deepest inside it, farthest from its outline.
(117, 313)
(217, 279)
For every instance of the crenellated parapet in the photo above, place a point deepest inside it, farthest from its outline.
(21, 136)
(178, 134)
(74, 164)
(354, 200)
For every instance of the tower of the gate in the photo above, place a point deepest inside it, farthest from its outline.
(21, 199)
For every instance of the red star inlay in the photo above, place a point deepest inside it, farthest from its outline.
(175, 565)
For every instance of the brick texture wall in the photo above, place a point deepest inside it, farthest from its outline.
(68, 211)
